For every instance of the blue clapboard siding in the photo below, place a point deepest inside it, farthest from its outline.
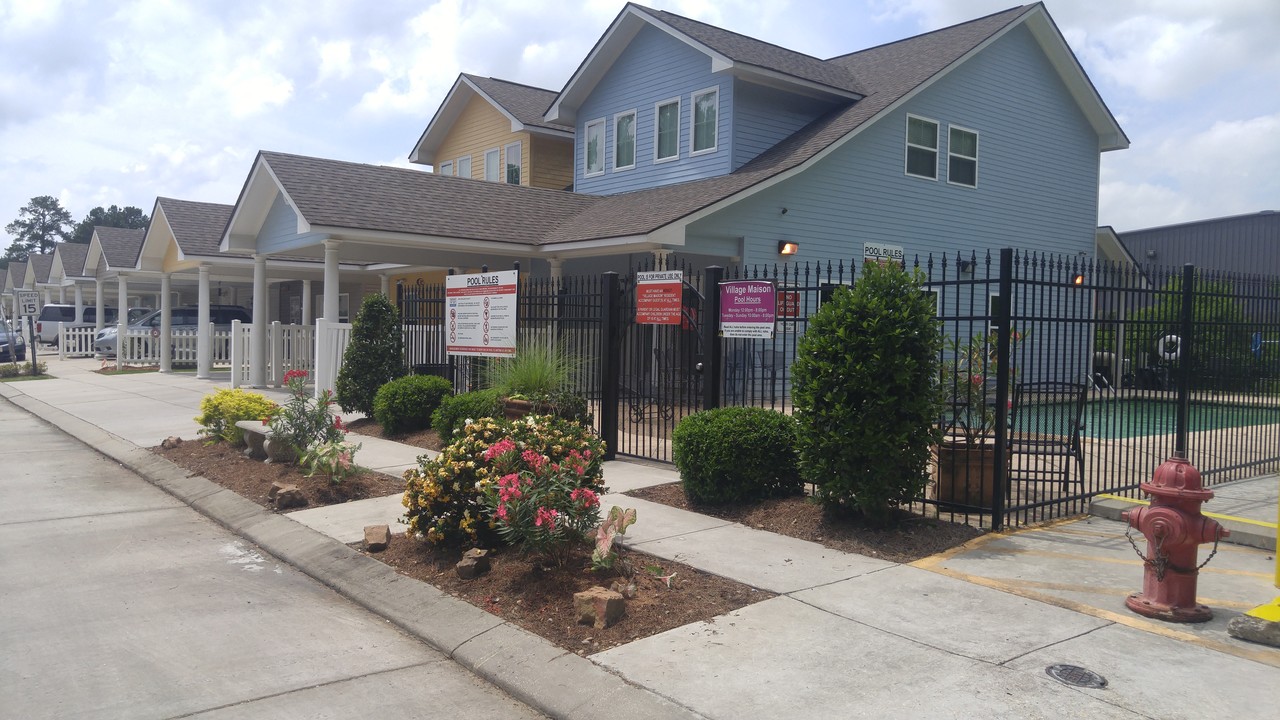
(1037, 174)
(280, 230)
(763, 117)
(653, 68)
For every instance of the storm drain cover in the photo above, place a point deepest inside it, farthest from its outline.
(1076, 676)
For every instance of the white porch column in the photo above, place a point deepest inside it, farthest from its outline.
(166, 325)
(99, 321)
(557, 268)
(258, 333)
(384, 285)
(122, 318)
(46, 296)
(204, 343)
(62, 295)
(79, 302)
(306, 302)
(331, 280)
(660, 259)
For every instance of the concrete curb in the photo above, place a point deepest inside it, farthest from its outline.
(1247, 534)
(553, 681)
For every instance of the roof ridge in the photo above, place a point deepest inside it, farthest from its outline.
(932, 32)
(726, 30)
(512, 82)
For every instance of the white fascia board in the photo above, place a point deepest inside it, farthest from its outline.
(564, 109)
(448, 112)
(773, 78)
(259, 191)
(593, 247)
(1110, 135)
(516, 125)
(158, 234)
(394, 239)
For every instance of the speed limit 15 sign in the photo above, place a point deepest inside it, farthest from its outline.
(28, 302)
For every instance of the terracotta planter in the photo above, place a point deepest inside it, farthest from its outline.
(966, 474)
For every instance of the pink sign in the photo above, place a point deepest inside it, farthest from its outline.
(748, 308)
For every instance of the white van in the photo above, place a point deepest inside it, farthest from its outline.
(54, 314)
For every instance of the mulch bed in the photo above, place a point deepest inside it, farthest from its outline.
(914, 537)
(540, 600)
(426, 439)
(227, 466)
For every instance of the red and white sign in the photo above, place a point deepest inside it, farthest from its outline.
(788, 303)
(482, 313)
(659, 297)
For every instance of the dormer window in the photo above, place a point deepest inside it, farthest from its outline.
(705, 111)
(667, 126)
(922, 148)
(594, 148)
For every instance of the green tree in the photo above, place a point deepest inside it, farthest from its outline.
(114, 216)
(374, 357)
(866, 393)
(41, 224)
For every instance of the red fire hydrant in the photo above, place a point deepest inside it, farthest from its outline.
(1174, 529)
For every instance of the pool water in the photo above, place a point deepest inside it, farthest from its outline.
(1138, 417)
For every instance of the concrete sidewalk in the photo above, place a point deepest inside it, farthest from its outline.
(847, 636)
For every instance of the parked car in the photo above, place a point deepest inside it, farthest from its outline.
(182, 320)
(12, 346)
(54, 313)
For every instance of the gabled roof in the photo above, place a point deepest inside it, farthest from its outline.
(726, 51)
(38, 266)
(71, 257)
(17, 275)
(4, 282)
(120, 246)
(523, 105)
(197, 226)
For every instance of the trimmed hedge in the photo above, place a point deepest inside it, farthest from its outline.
(451, 417)
(374, 357)
(220, 412)
(407, 404)
(737, 454)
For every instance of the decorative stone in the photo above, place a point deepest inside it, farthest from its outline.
(376, 537)
(474, 563)
(1255, 629)
(278, 451)
(171, 442)
(598, 607)
(289, 496)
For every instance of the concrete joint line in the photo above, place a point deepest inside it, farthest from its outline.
(636, 544)
(837, 581)
(1109, 623)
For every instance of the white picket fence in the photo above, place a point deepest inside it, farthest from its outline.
(289, 347)
(75, 340)
(331, 345)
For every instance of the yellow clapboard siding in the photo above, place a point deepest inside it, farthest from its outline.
(481, 127)
(551, 163)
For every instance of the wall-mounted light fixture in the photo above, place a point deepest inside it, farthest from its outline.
(787, 247)
(1151, 254)
(966, 266)
(1077, 279)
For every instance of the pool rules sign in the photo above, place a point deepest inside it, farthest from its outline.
(480, 314)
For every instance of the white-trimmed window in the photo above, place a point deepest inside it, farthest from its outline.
(493, 165)
(666, 130)
(446, 168)
(706, 106)
(962, 156)
(463, 166)
(593, 160)
(624, 140)
(512, 152)
(922, 147)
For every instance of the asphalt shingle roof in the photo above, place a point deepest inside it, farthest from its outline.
(17, 273)
(526, 103)
(121, 246)
(197, 226)
(73, 256)
(41, 265)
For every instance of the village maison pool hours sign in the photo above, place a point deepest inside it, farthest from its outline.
(748, 309)
(481, 314)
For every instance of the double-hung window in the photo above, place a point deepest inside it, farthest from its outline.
(593, 162)
(624, 140)
(667, 130)
(922, 147)
(512, 151)
(962, 157)
(492, 165)
(446, 168)
(464, 166)
(705, 110)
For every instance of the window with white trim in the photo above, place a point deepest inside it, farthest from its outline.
(706, 105)
(666, 124)
(922, 147)
(594, 148)
(512, 152)
(446, 168)
(463, 166)
(624, 140)
(962, 157)
(492, 165)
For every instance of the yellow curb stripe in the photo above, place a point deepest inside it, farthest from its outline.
(1216, 516)
(1269, 612)
(1266, 657)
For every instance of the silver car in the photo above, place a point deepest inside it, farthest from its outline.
(182, 320)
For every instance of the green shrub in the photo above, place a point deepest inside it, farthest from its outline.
(220, 412)
(866, 393)
(406, 404)
(374, 357)
(14, 369)
(534, 373)
(445, 497)
(456, 410)
(737, 454)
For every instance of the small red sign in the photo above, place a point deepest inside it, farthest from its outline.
(659, 297)
(788, 303)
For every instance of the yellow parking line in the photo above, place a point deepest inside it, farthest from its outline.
(1112, 560)
(1114, 592)
(1216, 516)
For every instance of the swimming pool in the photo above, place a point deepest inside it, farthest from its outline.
(1122, 418)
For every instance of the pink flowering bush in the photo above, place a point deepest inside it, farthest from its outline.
(334, 458)
(303, 421)
(537, 504)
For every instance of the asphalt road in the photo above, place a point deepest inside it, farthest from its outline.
(118, 601)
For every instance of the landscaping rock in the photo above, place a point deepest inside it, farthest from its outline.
(276, 487)
(376, 537)
(474, 563)
(288, 496)
(171, 442)
(1255, 629)
(598, 607)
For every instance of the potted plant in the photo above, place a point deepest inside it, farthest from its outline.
(965, 471)
(534, 380)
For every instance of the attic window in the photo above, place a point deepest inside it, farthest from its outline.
(962, 157)
(922, 148)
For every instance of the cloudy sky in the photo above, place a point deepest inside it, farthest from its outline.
(106, 102)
